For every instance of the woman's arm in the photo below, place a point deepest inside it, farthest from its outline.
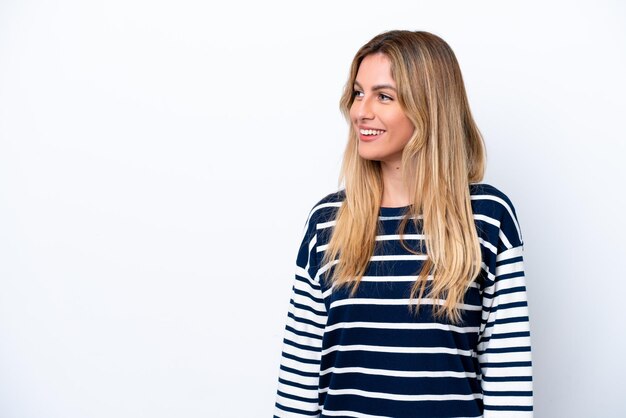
(504, 351)
(298, 380)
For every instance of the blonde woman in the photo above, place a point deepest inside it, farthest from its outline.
(409, 297)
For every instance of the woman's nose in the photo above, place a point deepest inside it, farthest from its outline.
(364, 109)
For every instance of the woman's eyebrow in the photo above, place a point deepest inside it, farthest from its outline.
(378, 87)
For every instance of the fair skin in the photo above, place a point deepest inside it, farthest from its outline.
(381, 125)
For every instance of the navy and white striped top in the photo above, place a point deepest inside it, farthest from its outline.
(368, 357)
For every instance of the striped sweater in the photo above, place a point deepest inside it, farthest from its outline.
(367, 356)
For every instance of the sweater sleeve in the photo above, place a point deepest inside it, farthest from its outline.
(504, 352)
(298, 379)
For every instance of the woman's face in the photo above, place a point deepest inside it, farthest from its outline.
(379, 121)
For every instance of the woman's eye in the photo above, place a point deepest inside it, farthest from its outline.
(381, 96)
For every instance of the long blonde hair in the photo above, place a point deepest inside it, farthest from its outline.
(445, 154)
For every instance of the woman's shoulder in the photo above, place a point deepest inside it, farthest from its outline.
(326, 207)
(488, 196)
(484, 195)
(495, 207)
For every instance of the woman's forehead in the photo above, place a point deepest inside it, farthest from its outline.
(375, 70)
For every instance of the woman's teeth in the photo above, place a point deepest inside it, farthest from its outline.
(370, 132)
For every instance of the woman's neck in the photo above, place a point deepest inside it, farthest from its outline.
(395, 192)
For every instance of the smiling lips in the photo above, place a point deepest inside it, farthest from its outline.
(370, 134)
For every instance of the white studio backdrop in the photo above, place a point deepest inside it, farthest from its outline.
(158, 161)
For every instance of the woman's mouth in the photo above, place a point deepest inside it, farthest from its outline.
(369, 135)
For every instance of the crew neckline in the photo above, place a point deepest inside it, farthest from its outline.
(389, 211)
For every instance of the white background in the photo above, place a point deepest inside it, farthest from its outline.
(158, 161)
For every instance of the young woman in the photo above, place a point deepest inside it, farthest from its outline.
(409, 297)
